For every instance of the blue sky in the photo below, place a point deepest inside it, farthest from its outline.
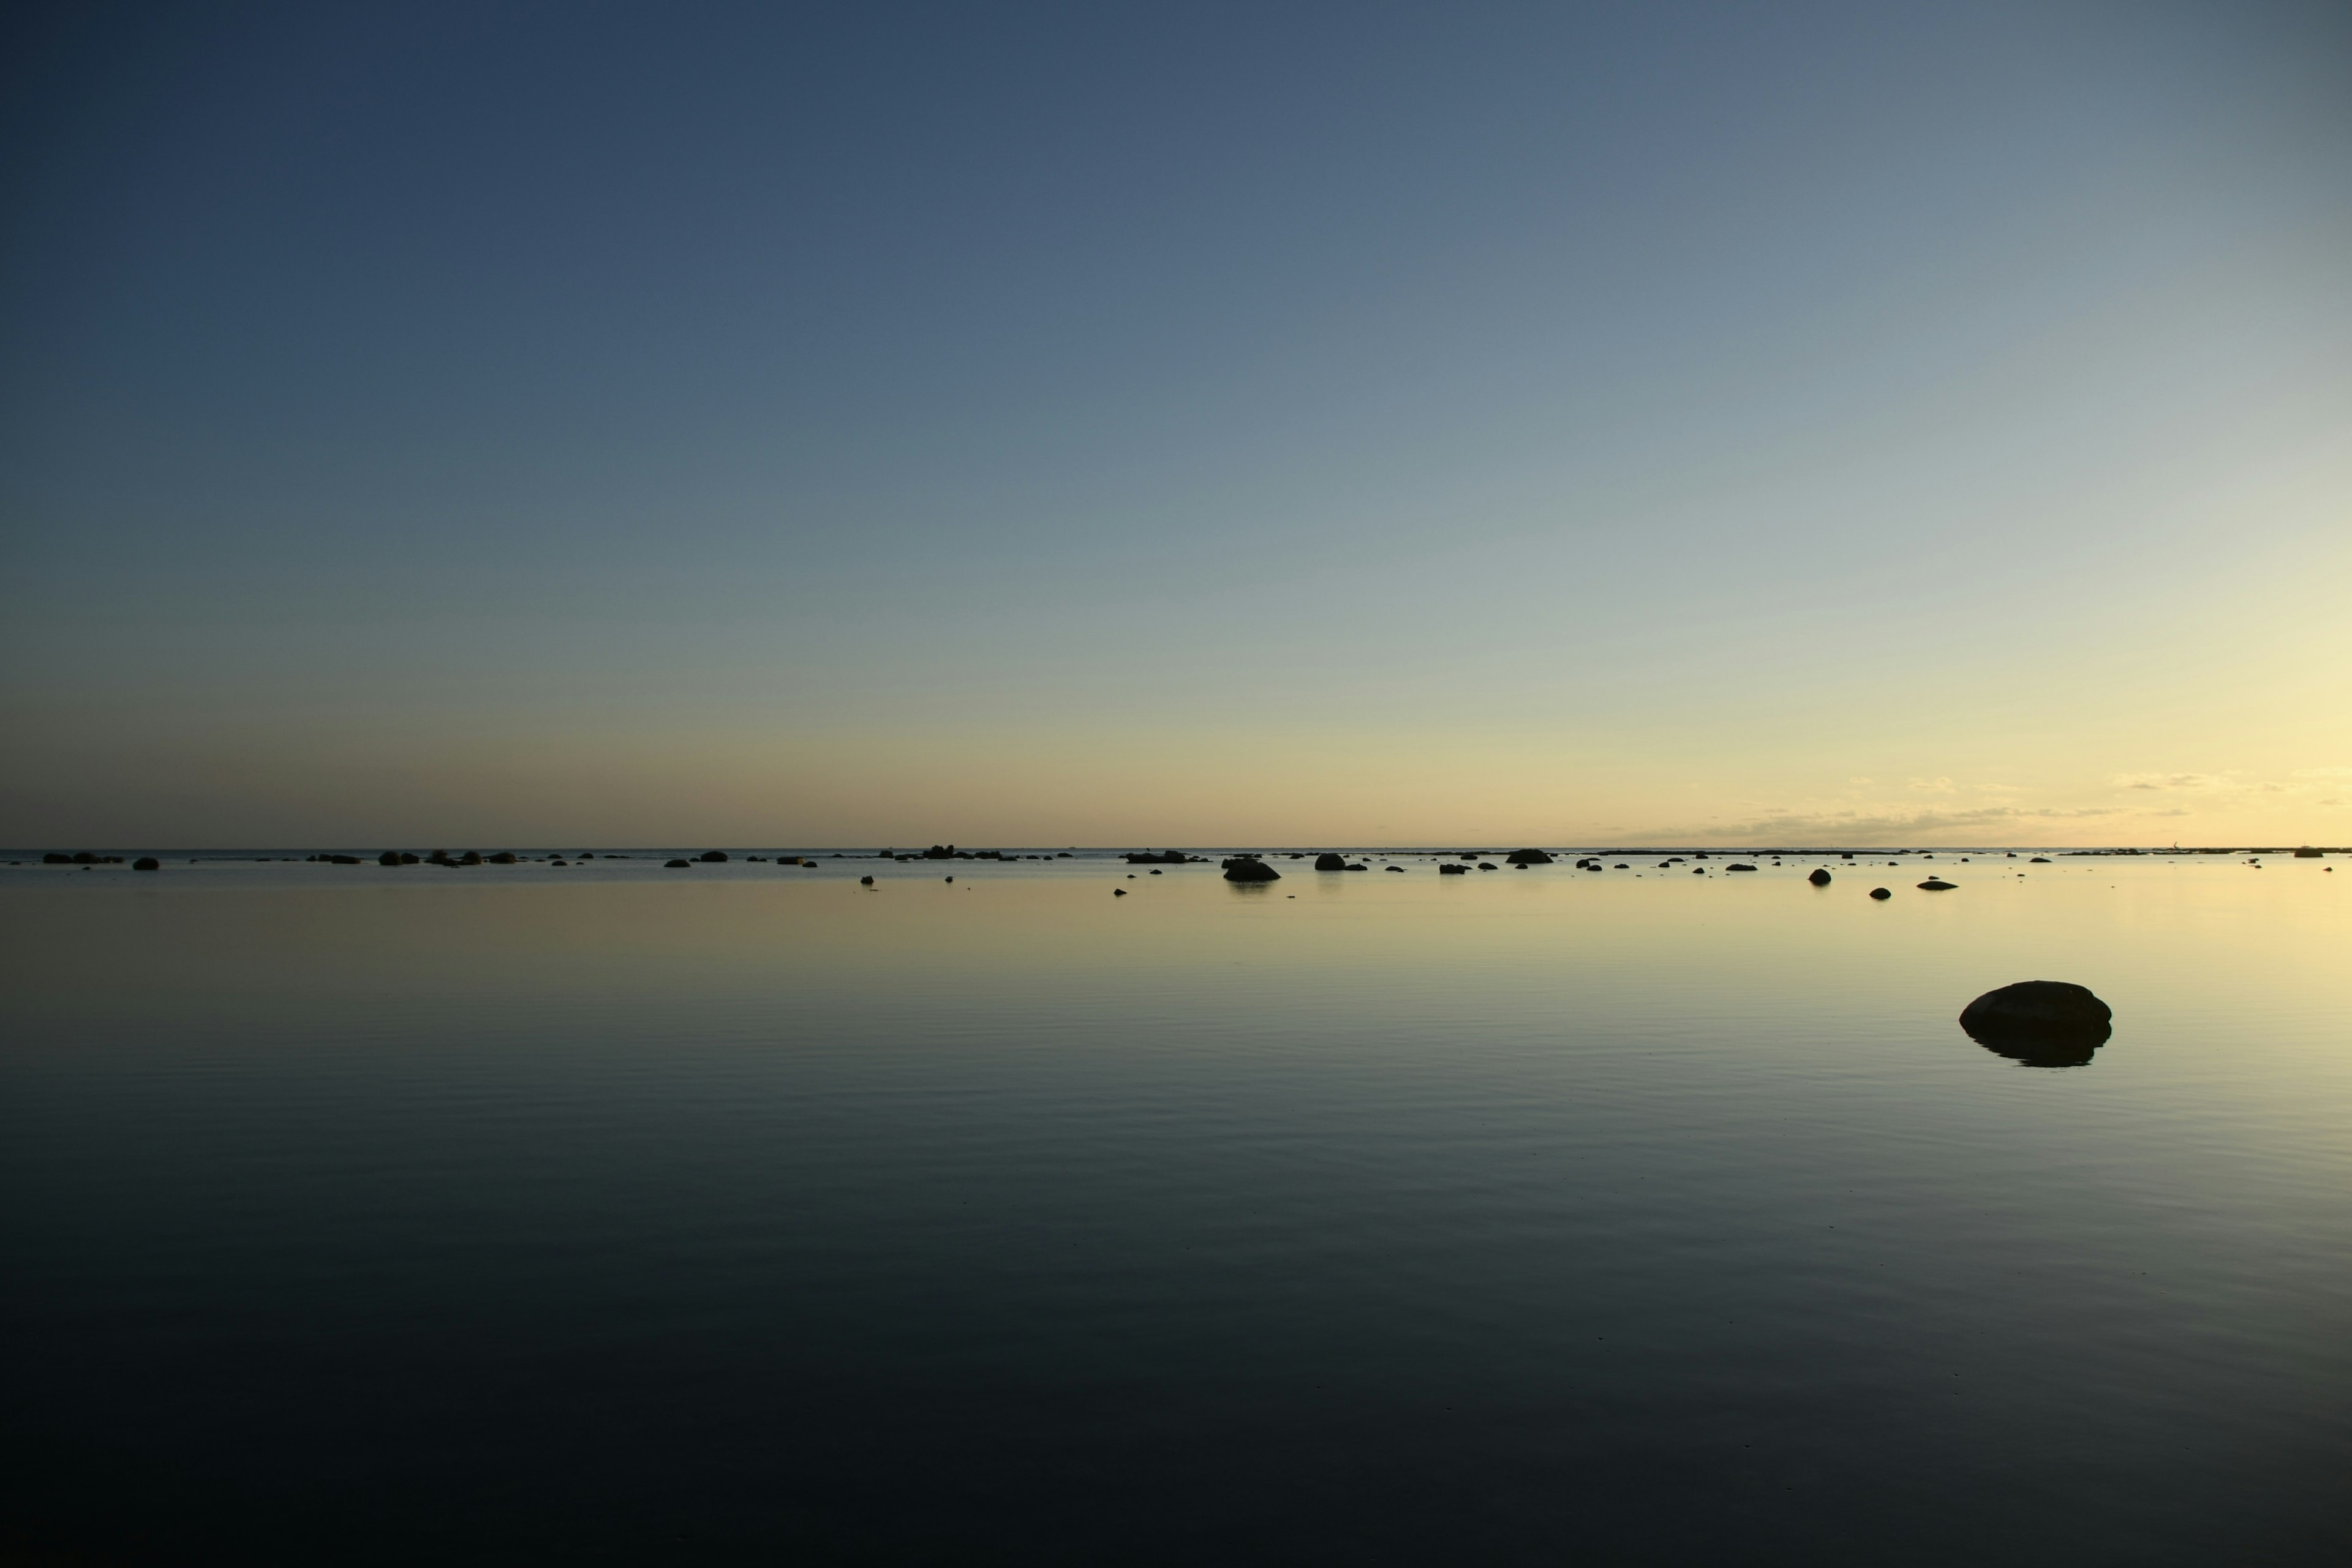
(1089, 424)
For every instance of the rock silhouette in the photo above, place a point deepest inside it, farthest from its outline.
(1327, 861)
(1250, 868)
(1821, 876)
(678, 865)
(2042, 1023)
(1527, 858)
(1450, 870)
(1739, 866)
(146, 863)
(713, 855)
(1880, 893)
(1937, 885)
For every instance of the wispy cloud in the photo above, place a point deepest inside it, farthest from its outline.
(1864, 826)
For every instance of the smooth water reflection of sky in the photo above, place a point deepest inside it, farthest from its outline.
(1516, 1214)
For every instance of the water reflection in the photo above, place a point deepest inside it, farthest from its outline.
(2042, 1050)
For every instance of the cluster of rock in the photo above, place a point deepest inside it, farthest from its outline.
(1163, 857)
(79, 857)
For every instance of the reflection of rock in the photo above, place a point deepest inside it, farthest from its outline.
(1527, 858)
(1327, 861)
(1250, 868)
(1820, 879)
(2042, 1023)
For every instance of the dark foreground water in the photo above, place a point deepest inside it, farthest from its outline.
(356, 1215)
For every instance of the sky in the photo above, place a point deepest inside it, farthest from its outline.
(483, 423)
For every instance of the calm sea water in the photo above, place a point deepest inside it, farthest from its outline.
(607, 1213)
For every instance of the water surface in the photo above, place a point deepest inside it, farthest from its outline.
(604, 1212)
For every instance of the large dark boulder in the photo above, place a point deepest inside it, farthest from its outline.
(1248, 869)
(1450, 870)
(713, 855)
(389, 858)
(2042, 1023)
(1327, 861)
(146, 863)
(1527, 858)
(1821, 876)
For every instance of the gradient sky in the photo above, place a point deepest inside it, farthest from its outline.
(1080, 424)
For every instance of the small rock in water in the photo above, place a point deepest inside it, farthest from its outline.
(713, 855)
(1880, 893)
(1527, 858)
(146, 863)
(1739, 866)
(1821, 876)
(2043, 1023)
(677, 865)
(1119, 893)
(862, 881)
(1327, 861)
(1451, 869)
(1937, 884)
(1250, 868)
(389, 858)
